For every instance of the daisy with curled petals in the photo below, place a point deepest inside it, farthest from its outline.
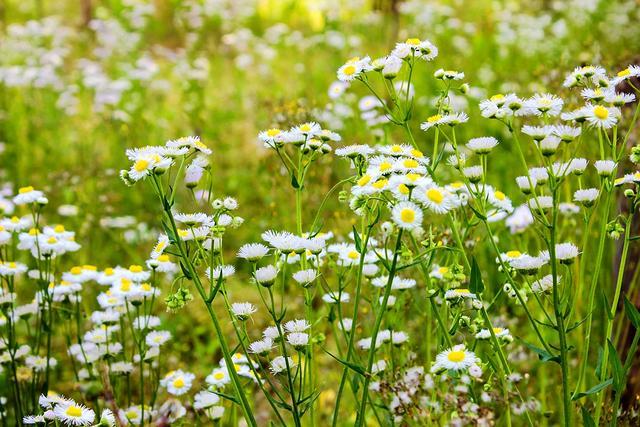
(407, 215)
(457, 358)
(242, 310)
(71, 413)
(435, 199)
(193, 219)
(587, 196)
(252, 252)
(482, 145)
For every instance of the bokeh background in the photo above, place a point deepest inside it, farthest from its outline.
(82, 80)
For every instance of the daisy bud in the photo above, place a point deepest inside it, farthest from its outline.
(464, 88)
(629, 193)
(217, 204)
(42, 201)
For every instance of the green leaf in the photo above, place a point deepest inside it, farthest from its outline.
(185, 271)
(354, 367)
(543, 354)
(478, 214)
(356, 237)
(587, 421)
(476, 286)
(632, 313)
(616, 367)
(593, 390)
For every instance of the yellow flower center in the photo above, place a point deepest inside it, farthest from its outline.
(364, 180)
(396, 148)
(25, 190)
(76, 270)
(125, 285)
(353, 255)
(74, 411)
(385, 166)
(456, 356)
(417, 153)
(163, 258)
(407, 215)
(380, 184)
(146, 287)
(413, 177)
(462, 291)
(443, 270)
(410, 163)
(434, 119)
(497, 330)
(218, 375)
(403, 189)
(624, 72)
(15, 219)
(499, 195)
(435, 195)
(141, 165)
(135, 268)
(32, 232)
(108, 271)
(349, 70)
(178, 382)
(413, 41)
(457, 184)
(601, 112)
(273, 132)
(59, 228)
(497, 97)
(52, 240)
(513, 254)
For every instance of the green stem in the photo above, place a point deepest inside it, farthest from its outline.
(376, 328)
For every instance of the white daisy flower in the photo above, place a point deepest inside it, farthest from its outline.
(218, 377)
(177, 382)
(457, 358)
(605, 168)
(279, 364)
(436, 199)
(261, 347)
(586, 196)
(242, 310)
(407, 215)
(603, 117)
(73, 414)
(27, 195)
(482, 145)
(335, 297)
(266, 276)
(205, 399)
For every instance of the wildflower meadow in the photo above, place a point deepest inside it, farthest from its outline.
(319, 213)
